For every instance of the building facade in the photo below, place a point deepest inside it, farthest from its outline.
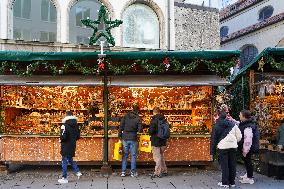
(251, 26)
(151, 24)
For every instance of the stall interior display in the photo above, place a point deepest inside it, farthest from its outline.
(36, 110)
(268, 104)
(187, 109)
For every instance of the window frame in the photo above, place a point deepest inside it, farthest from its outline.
(247, 52)
(261, 12)
(83, 12)
(50, 4)
(21, 10)
(221, 31)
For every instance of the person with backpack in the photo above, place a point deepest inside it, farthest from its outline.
(69, 135)
(249, 144)
(130, 125)
(225, 137)
(159, 131)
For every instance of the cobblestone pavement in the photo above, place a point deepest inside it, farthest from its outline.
(179, 177)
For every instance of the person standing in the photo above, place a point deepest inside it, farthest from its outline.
(69, 134)
(159, 132)
(249, 144)
(130, 125)
(225, 137)
(280, 135)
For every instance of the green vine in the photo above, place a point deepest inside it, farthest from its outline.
(221, 68)
(277, 65)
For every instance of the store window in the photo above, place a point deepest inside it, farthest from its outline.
(247, 54)
(265, 13)
(140, 27)
(83, 9)
(224, 31)
(30, 13)
(48, 11)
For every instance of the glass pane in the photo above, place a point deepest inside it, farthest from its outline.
(82, 9)
(44, 10)
(27, 34)
(79, 17)
(141, 27)
(43, 36)
(52, 37)
(26, 9)
(52, 13)
(17, 34)
(17, 8)
(79, 40)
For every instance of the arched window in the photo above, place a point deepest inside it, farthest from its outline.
(265, 13)
(83, 9)
(140, 27)
(31, 13)
(224, 30)
(247, 54)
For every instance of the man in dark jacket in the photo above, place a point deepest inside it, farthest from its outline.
(249, 143)
(69, 134)
(158, 144)
(130, 125)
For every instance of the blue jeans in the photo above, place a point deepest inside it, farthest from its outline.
(65, 160)
(131, 146)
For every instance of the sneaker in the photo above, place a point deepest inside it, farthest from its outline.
(247, 181)
(79, 174)
(165, 174)
(155, 176)
(134, 174)
(244, 176)
(122, 174)
(63, 180)
(223, 185)
(232, 185)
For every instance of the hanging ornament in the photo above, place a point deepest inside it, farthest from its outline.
(166, 63)
(101, 65)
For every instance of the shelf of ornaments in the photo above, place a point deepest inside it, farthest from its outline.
(46, 109)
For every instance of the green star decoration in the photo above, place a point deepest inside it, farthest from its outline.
(107, 24)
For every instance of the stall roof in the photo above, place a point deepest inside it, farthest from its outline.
(122, 81)
(268, 51)
(34, 56)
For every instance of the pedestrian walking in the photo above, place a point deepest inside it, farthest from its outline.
(130, 125)
(280, 135)
(69, 134)
(249, 144)
(225, 137)
(159, 132)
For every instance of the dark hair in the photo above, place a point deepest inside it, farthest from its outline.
(135, 108)
(69, 113)
(156, 110)
(222, 114)
(246, 114)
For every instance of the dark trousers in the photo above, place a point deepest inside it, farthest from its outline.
(228, 165)
(248, 165)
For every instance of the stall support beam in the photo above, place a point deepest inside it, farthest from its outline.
(106, 168)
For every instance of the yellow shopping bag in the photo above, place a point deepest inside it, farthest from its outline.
(145, 143)
(117, 152)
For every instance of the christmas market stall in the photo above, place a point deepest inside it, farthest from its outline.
(38, 88)
(259, 86)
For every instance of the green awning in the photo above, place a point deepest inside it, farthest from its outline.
(265, 52)
(35, 56)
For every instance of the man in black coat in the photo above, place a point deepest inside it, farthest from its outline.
(69, 134)
(130, 125)
(158, 144)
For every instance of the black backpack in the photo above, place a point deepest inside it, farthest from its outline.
(163, 129)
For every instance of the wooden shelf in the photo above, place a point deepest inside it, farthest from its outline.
(28, 108)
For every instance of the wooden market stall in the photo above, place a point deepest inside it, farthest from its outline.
(259, 86)
(37, 88)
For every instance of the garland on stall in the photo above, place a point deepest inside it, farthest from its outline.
(241, 96)
(270, 60)
(167, 65)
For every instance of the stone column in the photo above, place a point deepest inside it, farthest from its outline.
(4, 19)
